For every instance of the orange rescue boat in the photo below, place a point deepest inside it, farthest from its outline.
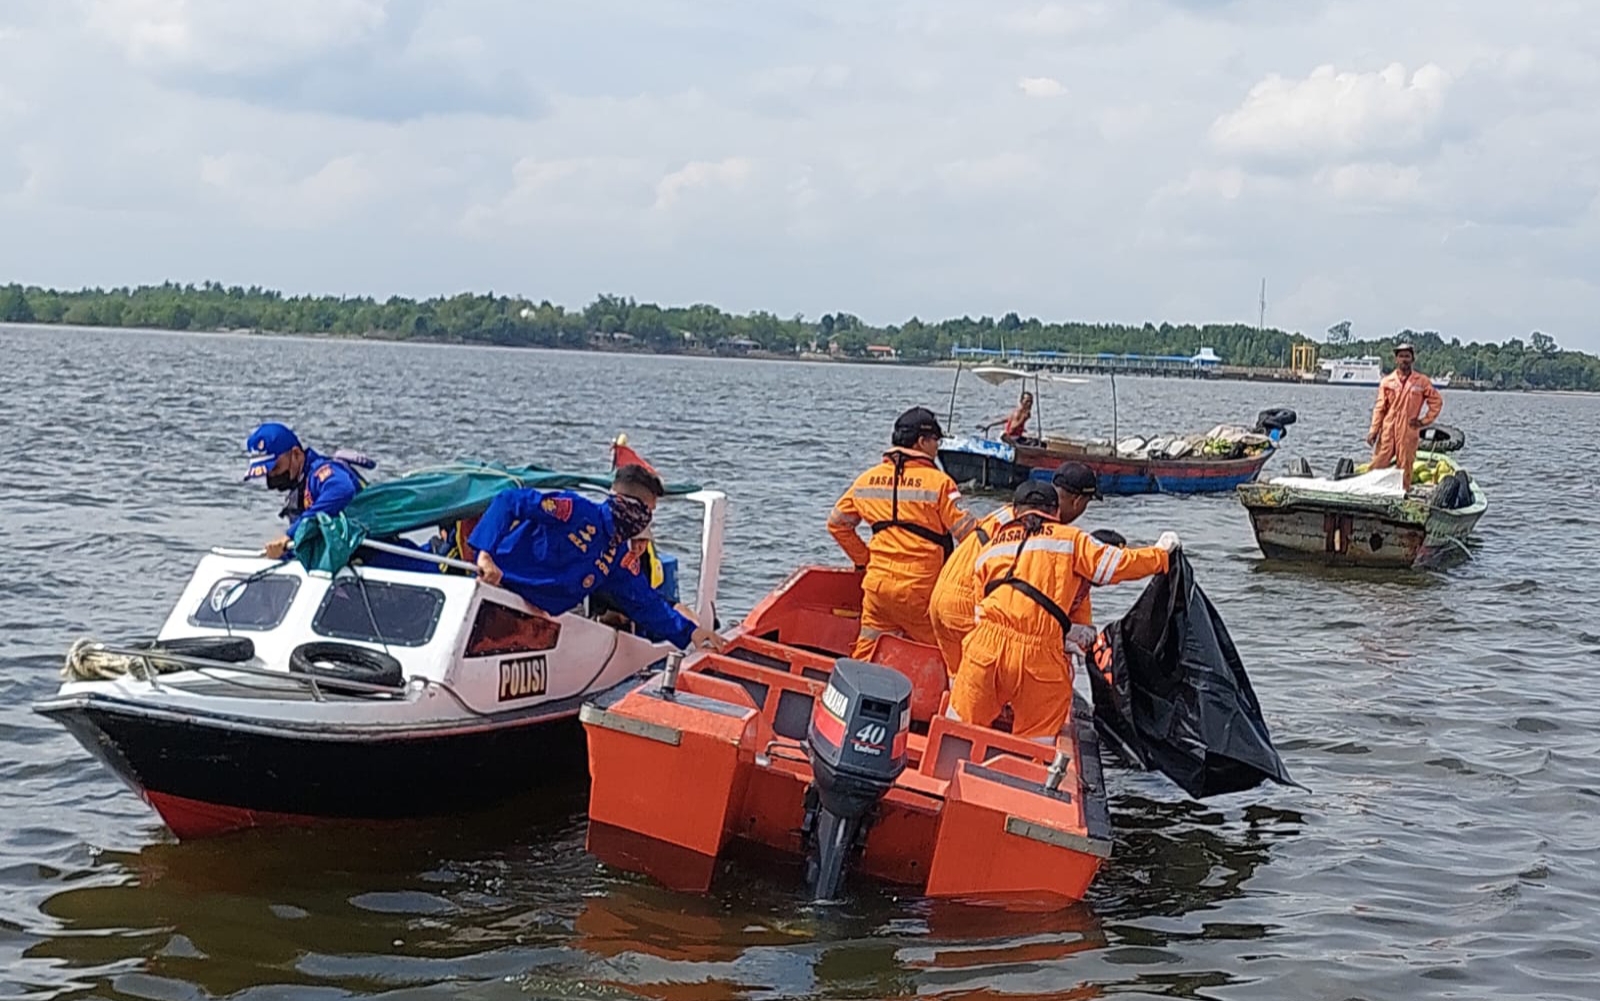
(783, 741)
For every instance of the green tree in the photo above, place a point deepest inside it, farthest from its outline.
(14, 306)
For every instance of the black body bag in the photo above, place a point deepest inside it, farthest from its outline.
(1170, 693)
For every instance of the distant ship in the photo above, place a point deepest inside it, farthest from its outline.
(1364, 371)
(1367, 371)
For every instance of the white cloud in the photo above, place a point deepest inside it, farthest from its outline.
(726, 173)
(1041, 86)
(1333, 115)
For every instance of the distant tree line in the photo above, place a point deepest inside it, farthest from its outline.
(618, 323)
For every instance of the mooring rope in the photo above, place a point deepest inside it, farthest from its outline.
(85, 662)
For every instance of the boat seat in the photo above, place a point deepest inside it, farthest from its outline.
(785, 697)
(923, 666)
(951, 741)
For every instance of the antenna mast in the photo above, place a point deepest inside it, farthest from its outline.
(1261, 321)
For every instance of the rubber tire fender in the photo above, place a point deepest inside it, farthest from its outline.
(1440, 438)
(226, 649)
(346, 662)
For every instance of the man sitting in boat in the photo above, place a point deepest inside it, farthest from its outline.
(316, 483)
(1397, 416)
(1017, 423)
(556, 548)
(1019, 652)
(916, 516)
(955, 593)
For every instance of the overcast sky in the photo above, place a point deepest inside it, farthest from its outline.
(1422, 163)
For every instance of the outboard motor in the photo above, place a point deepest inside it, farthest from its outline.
(857, 746)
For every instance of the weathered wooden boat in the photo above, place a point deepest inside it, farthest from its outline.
(1366, 518)
(1215, 462)
(1003, 463)
(291, 693)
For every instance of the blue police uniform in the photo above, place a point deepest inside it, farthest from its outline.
(329, 486)
(555, 548)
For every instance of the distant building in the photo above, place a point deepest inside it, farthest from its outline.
(883, 351)
(1207, 358)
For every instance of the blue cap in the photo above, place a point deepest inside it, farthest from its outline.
(265, 444)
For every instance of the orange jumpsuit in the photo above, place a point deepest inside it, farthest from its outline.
(1400, 400)
(1016, 653)
(916, 517)
(955, 594)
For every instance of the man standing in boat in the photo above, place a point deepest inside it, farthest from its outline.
(916, 516)
(556, 548)
(1021, 650)
(1397, 417)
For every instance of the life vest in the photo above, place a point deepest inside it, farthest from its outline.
(943, 540)
(1032, 523)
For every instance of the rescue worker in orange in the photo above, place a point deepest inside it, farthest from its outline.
(1020, 651)
(955, 595)
(1398, 415)
(916, 517)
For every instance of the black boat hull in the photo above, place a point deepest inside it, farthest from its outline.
(211, 775)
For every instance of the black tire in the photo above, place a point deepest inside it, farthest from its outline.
(1300, 468)
(1440, 438)
(346, 662)
(227, 649)
(1345, 469)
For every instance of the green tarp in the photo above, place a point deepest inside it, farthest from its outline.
(426, 499)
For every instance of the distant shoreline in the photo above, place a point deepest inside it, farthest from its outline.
(946, 364)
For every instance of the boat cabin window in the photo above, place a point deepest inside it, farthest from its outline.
(499, 629)
(379, 612)
(258, 603)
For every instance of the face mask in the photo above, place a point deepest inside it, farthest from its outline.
(630, 514)
(279, 481)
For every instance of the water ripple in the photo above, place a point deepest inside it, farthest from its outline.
(1446, 723)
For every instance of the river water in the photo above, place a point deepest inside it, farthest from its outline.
(1446, 723)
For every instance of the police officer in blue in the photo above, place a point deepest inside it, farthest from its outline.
(556, 548)
(316, 484)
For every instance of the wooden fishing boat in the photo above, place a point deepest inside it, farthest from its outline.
(1215, 462)
(1003, 463)
(1367, 518)
(778, 741)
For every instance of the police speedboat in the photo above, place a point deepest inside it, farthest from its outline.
(286, 693)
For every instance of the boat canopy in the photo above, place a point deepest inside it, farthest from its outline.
(428, 498)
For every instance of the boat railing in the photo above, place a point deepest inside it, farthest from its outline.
(147, 660)
(382, 547)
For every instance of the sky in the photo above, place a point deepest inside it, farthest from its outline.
(1432, 164)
